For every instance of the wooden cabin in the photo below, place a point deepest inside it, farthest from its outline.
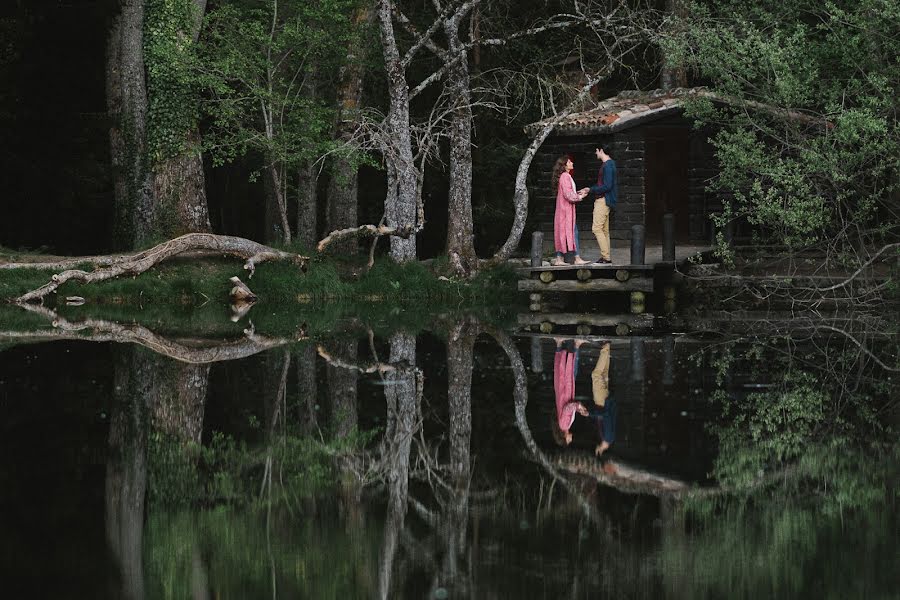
(663, 163)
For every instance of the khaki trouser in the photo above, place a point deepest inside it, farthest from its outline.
(600, 378)
(600, 226)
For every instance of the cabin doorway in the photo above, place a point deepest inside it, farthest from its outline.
(666, 181)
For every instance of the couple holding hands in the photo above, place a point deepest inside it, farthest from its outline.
(565, 227)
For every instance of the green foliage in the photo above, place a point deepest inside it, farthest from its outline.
(243, 550)
(259, 68)
(172, 91)
(810, 149)
(799, 536)
(769, 429)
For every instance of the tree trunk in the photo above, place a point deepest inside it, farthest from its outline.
(402, 414)
(342, 390)
(179, 187)
(308, 184)
(126, 102)
(179, 183)
(307, 201)
(342, 203)
(400, 204)
(278, 230)
(343, 187)
(460, 244)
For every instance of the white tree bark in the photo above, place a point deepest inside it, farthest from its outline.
(400, 203)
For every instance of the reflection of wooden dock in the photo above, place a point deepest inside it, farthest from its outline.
(585, 323)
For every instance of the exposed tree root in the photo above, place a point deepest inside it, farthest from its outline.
(111, 267)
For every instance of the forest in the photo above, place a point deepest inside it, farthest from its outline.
(129, 123)
(280, 313)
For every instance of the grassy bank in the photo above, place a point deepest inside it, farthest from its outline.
(182, 297)
(188, 282)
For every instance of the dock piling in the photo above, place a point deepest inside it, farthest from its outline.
(638, 244)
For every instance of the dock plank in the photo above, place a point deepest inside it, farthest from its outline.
(635, 284)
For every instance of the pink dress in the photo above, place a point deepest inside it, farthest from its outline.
(564, 388)
(564, 219)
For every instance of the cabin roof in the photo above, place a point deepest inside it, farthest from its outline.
(630, 108)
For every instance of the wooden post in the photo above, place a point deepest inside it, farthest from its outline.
(537, 248)
(668, 238)
(638, 244)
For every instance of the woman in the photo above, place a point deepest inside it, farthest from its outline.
(565, 233)
(565, 369)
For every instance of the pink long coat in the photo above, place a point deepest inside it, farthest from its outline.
(564, 219)
(564, 388)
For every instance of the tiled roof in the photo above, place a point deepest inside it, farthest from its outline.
(634, 107)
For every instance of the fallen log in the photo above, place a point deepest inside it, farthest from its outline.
(253, 253)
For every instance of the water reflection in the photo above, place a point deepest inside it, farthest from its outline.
(439, 465)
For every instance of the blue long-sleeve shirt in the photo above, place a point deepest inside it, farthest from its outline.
(606, 185)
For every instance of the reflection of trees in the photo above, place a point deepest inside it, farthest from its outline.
(126, 470)
(152, 393)
(453, 497)
(401, 423)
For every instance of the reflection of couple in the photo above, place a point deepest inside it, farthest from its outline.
(565, 227)
(603, 410)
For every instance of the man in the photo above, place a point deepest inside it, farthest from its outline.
(603, 412)
(605, 190)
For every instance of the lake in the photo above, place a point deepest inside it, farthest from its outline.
(462, 460)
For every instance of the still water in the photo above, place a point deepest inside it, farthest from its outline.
(465, 461)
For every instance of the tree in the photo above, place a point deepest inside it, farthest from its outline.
(258, 64)
(126, 94)
(400, 204)
(819, 166)
(173, 135)
(343, 186)
(158, 174)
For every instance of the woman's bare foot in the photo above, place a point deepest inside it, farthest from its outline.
(581, 261)
(557, 262)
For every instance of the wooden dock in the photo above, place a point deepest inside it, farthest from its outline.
(631, 273)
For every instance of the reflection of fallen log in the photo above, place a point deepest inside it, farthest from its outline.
(624, 476)
(192, 351)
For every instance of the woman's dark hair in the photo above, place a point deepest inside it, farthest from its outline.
(559, 436)
(558, 169)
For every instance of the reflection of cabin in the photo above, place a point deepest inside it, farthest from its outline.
(664, 165)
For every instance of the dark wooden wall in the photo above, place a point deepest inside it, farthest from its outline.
(628, 149)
